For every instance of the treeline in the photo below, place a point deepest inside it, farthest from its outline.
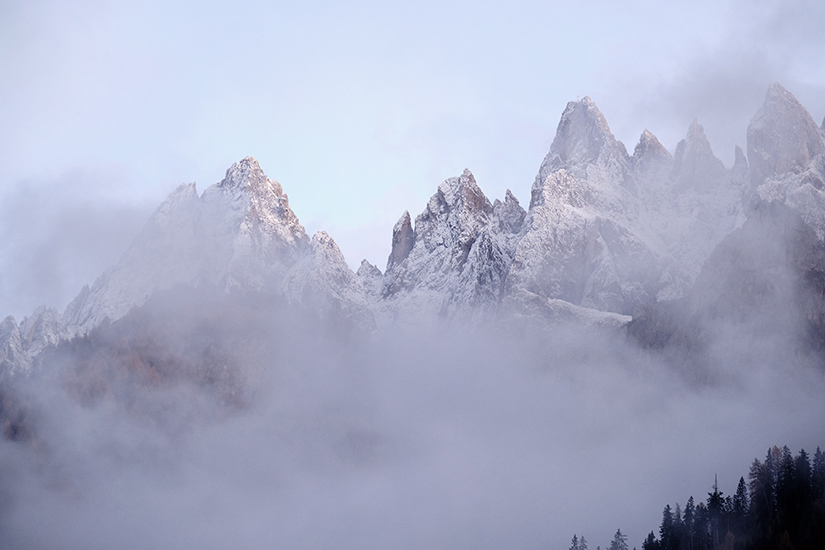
(782, 506)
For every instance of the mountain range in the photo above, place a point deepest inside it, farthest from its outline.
(649, 242)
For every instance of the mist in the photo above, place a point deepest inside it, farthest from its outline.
(58, 234)
(264, 425)
(228, 417)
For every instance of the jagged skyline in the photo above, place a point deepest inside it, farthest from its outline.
(108, 109)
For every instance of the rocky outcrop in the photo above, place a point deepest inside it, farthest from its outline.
(453, 257)
(371, 279)
(786, 153)
(581, 242)
(239, 235)
(782, 137)
(605, 235)
(20, 345)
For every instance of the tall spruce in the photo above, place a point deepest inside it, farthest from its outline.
(667, 535)
(619, 541)
(739, 513)
(716, 504)
(690, 525)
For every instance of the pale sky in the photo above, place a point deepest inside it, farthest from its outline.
(359, 109)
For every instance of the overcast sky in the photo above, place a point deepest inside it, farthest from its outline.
(359, 109)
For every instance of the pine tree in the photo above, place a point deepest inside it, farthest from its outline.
(739, 512)
(761, 496)
(818, 478)
(575, 544)
(583, 543)
(678, 527)
(702, 527)
(619, 541)
(667, 538)
(650, 543)
(715, 509)
(818, 500)
(689, 522)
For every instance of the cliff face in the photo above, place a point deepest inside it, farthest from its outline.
(606, 235)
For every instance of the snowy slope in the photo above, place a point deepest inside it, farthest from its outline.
(239, 234)
(612, 232)
(456, 255)
(605, 234)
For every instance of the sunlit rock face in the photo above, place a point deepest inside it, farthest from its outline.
(456, 255)
(605, 231)
(782, 137)
(239, 234)
(605, 234)
(767, 274)
(20, 345)
(786, 152)
(613, 232)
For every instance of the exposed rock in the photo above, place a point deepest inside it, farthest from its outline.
(403, 239)
(13, 359)
(371, 279)
(694, 164)
(651, 162)
(240, 234)
(456, 259)
(782, 137)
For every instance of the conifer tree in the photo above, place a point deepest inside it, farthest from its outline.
(678, 527)
(818, 478)
(739, 511)
(701, 525)
(666, 533)
(575, 544)
(715, 509)
(619, 541)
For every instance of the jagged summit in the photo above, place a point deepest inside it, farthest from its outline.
(605, 233)
(583, 139)
(649, 147)
(246, 173)
(403, 239)
(694, 164)
(239, 234)
(782, 137)
(651, 161)
(581, 134)
(454, 257)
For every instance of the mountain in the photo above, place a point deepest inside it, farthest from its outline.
(239, 234)
(767, 276)
(606, 235)
(456, 256)
(604, 232)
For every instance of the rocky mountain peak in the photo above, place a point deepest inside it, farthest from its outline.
(739, 158)
(371, 278)
(246, 174)
(649, 146)
(582, 138)
(694, 164)
(509, 215)
(459, 207)
(12, 355)
(462, 193)
(650, 160)
(782, 137)
(403, 239)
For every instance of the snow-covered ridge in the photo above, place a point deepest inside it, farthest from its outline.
(605, 234)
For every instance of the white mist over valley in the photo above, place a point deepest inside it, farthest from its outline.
(491, 329)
